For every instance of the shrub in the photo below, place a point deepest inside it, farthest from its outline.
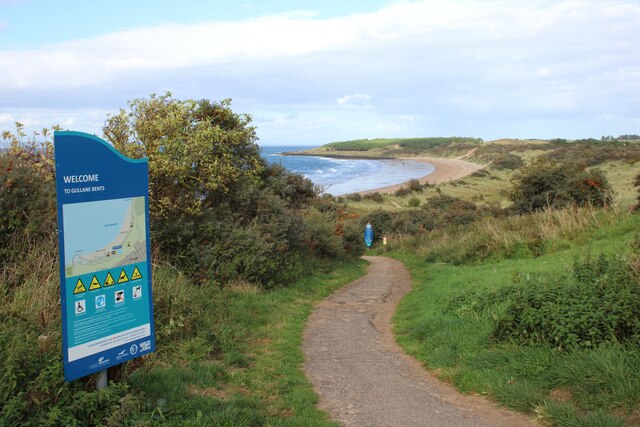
(402, 192)
(414, 185)
(354, 197)
(410, 221)
(414, 202)
(545, 183)
(507, 161)
(375, 196)
(27, 203)
(441, 201)
(598, 303)
(33, 391)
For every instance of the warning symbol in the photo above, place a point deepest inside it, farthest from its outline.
(79, 287)
(95, 284)
(136, 274)
(123, 277)
(109, 280)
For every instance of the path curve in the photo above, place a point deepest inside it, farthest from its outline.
(365, 379)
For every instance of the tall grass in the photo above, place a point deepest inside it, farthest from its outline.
(511, 237)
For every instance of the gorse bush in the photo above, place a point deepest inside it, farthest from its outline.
(507, 161)
(402, 192)
(545, 183)
(375, 196)
(597, 303)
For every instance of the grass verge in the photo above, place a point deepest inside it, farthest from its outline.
(225, 357)
(597, 386)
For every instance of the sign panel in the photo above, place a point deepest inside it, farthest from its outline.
(368, 235)
(105, 268)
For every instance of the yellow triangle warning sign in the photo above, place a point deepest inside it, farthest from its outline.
(79, 287)
(109, 281)
(123, 277)
(136, 274)
(95, 284)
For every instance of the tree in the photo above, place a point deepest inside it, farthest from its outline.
(196, 150)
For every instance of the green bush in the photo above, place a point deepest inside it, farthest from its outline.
(27, 199)
(414, 185)
(414, 202)
(32, 387)
(598, 303)
(402, 192)
(546, 183)
(375, 196)
(507, 161)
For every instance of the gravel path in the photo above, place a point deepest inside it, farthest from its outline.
(365, 379)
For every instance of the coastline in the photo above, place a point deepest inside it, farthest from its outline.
(445, 170)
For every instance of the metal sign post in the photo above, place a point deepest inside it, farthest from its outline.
(105, 266)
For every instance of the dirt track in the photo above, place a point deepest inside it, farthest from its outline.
(361, 374)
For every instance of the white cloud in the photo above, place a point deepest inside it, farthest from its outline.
(441, 27)
(6, 120)
(357, 100)
(440, 63)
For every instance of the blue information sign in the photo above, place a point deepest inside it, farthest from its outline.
(105, 267)
(368, 235)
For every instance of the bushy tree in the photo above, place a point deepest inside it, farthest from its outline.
(218, 210)
(546, 183)
(197, 150)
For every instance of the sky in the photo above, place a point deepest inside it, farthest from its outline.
(313, 72)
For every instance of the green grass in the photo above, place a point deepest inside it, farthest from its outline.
(243, 366)
(228, 357)
(584, 387)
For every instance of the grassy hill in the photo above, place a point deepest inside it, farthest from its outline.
(397, 147)
(503, 158)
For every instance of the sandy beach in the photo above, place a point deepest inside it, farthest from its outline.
(444, 170)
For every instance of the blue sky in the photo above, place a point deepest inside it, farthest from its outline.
(315, 72)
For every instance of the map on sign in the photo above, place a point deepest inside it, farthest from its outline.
(104, 234)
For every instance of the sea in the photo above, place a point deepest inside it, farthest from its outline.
(344, 176)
